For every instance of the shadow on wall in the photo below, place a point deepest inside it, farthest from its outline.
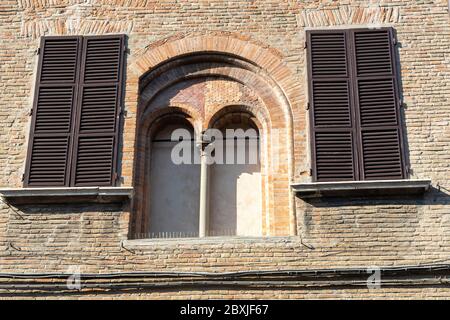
(402, 114)
(75, 208)
(434, 196)
(122, 118)
(401, 227)
(235, 199)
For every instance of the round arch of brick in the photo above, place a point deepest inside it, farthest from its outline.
(199, 58)
(265, 57)
(222, 116)
(142, 185)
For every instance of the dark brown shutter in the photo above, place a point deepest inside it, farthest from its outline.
(356, 131)
(377, 104)
(332, 126)
(49, 150)
(96, 137)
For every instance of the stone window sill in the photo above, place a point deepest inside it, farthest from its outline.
(361, 188)
(230, 240)
(66, 195)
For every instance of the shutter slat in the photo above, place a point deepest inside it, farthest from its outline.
(59, 60)
(98, 109)
(330, 96)
(102, 59)
(373, 56)
(323, 46)
(51, 131)
(377, 105)
(331, 103)
(54, 109)
(45, 148)
(94, 160)
(99, 104)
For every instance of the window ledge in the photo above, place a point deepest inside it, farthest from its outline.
(66, 195)
(361, 188)
(229, 240)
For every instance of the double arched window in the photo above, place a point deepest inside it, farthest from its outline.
(207, 94)
(174, 188)
(231, 204)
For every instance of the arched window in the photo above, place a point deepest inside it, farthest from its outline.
(207, 85)
(174, 186)
(235, 202)
(233, 179)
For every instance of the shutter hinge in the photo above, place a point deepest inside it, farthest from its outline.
(23, 177)
(30, 112)
(115, 177)
(310, 172)
(307, 106)
(394, 41)
(120, 116)
(38, 51)
(305, 45)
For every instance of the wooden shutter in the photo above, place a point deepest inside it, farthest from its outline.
(332, 125)
(377, 105)
(356, 131)
(51, 135)
(97, 130)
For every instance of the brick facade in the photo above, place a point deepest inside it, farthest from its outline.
(259, 68)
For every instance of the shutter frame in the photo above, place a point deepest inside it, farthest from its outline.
(35, 134)
(340, 131)
(76, 179)
(364, 129)
(360, 173)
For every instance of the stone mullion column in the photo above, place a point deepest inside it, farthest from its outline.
(204, 189)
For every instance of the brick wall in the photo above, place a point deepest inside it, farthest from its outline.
(271, 34)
